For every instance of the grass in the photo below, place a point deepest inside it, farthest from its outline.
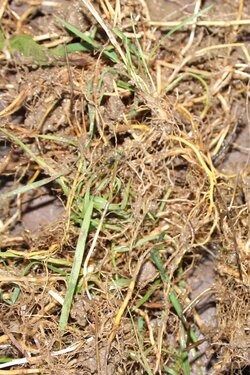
(144, 194)
(83, 208)
(75, 271)
(41, 163)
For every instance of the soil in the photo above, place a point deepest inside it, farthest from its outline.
(161, 154)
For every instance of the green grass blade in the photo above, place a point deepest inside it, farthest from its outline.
(80, 249)
(46, 167)
(86, 200)
(188, 19)
(125, 85)
(1, 40)
(176, 304)
(164, 202)
(184, 354)
(141, 55)
(22, 255)
(57, 270)
(17, 290)
(179, 311)
(164, 276)
(108, 52)
(34, 185)
(56, 139)
(170, 371)
(146, 296)
(159, 265)
(146, 239)
(37, 159)
(69, 48)
(179, 26)
(5, 359)
(92, 43)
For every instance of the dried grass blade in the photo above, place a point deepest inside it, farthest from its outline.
(15, 105)
(106, 28)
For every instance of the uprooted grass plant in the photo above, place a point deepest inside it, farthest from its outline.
(134, 167)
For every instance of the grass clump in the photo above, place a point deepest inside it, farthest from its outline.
(128, 142)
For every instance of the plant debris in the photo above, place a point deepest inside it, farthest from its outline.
(123, 216)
